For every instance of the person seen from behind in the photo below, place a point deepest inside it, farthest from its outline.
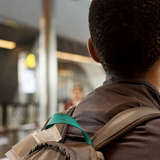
(125, 39)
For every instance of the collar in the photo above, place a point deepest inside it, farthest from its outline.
(148, 88)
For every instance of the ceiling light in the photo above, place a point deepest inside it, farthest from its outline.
(7, 44)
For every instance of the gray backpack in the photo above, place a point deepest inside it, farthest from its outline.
(116, 127)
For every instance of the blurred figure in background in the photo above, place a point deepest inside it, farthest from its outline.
(77, 95)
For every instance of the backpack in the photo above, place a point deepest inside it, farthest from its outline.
(90, 149)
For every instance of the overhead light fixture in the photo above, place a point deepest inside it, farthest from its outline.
(11, 23)
(7, 44)
(75, 57)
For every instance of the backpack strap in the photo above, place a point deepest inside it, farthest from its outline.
(68, 112)
(122, 123)
(62, 128)
(60, 118)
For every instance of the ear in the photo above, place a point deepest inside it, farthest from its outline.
(92, 51)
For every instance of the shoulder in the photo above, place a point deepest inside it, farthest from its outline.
(142, 143)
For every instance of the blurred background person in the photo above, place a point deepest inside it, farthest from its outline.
(77, 95)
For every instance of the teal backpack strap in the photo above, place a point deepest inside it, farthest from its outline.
(59, 118)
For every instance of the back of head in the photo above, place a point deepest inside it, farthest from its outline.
(126, 34)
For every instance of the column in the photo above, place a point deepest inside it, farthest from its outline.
(47, 62)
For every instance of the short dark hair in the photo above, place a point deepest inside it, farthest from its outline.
(126, 34)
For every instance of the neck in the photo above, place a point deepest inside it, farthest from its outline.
(152, 76)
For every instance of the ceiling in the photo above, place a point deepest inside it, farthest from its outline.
(71, 15)
(18, 33)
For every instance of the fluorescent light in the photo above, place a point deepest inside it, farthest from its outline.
(74, 57)
(7, 44)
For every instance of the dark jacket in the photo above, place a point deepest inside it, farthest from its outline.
(143, 142)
